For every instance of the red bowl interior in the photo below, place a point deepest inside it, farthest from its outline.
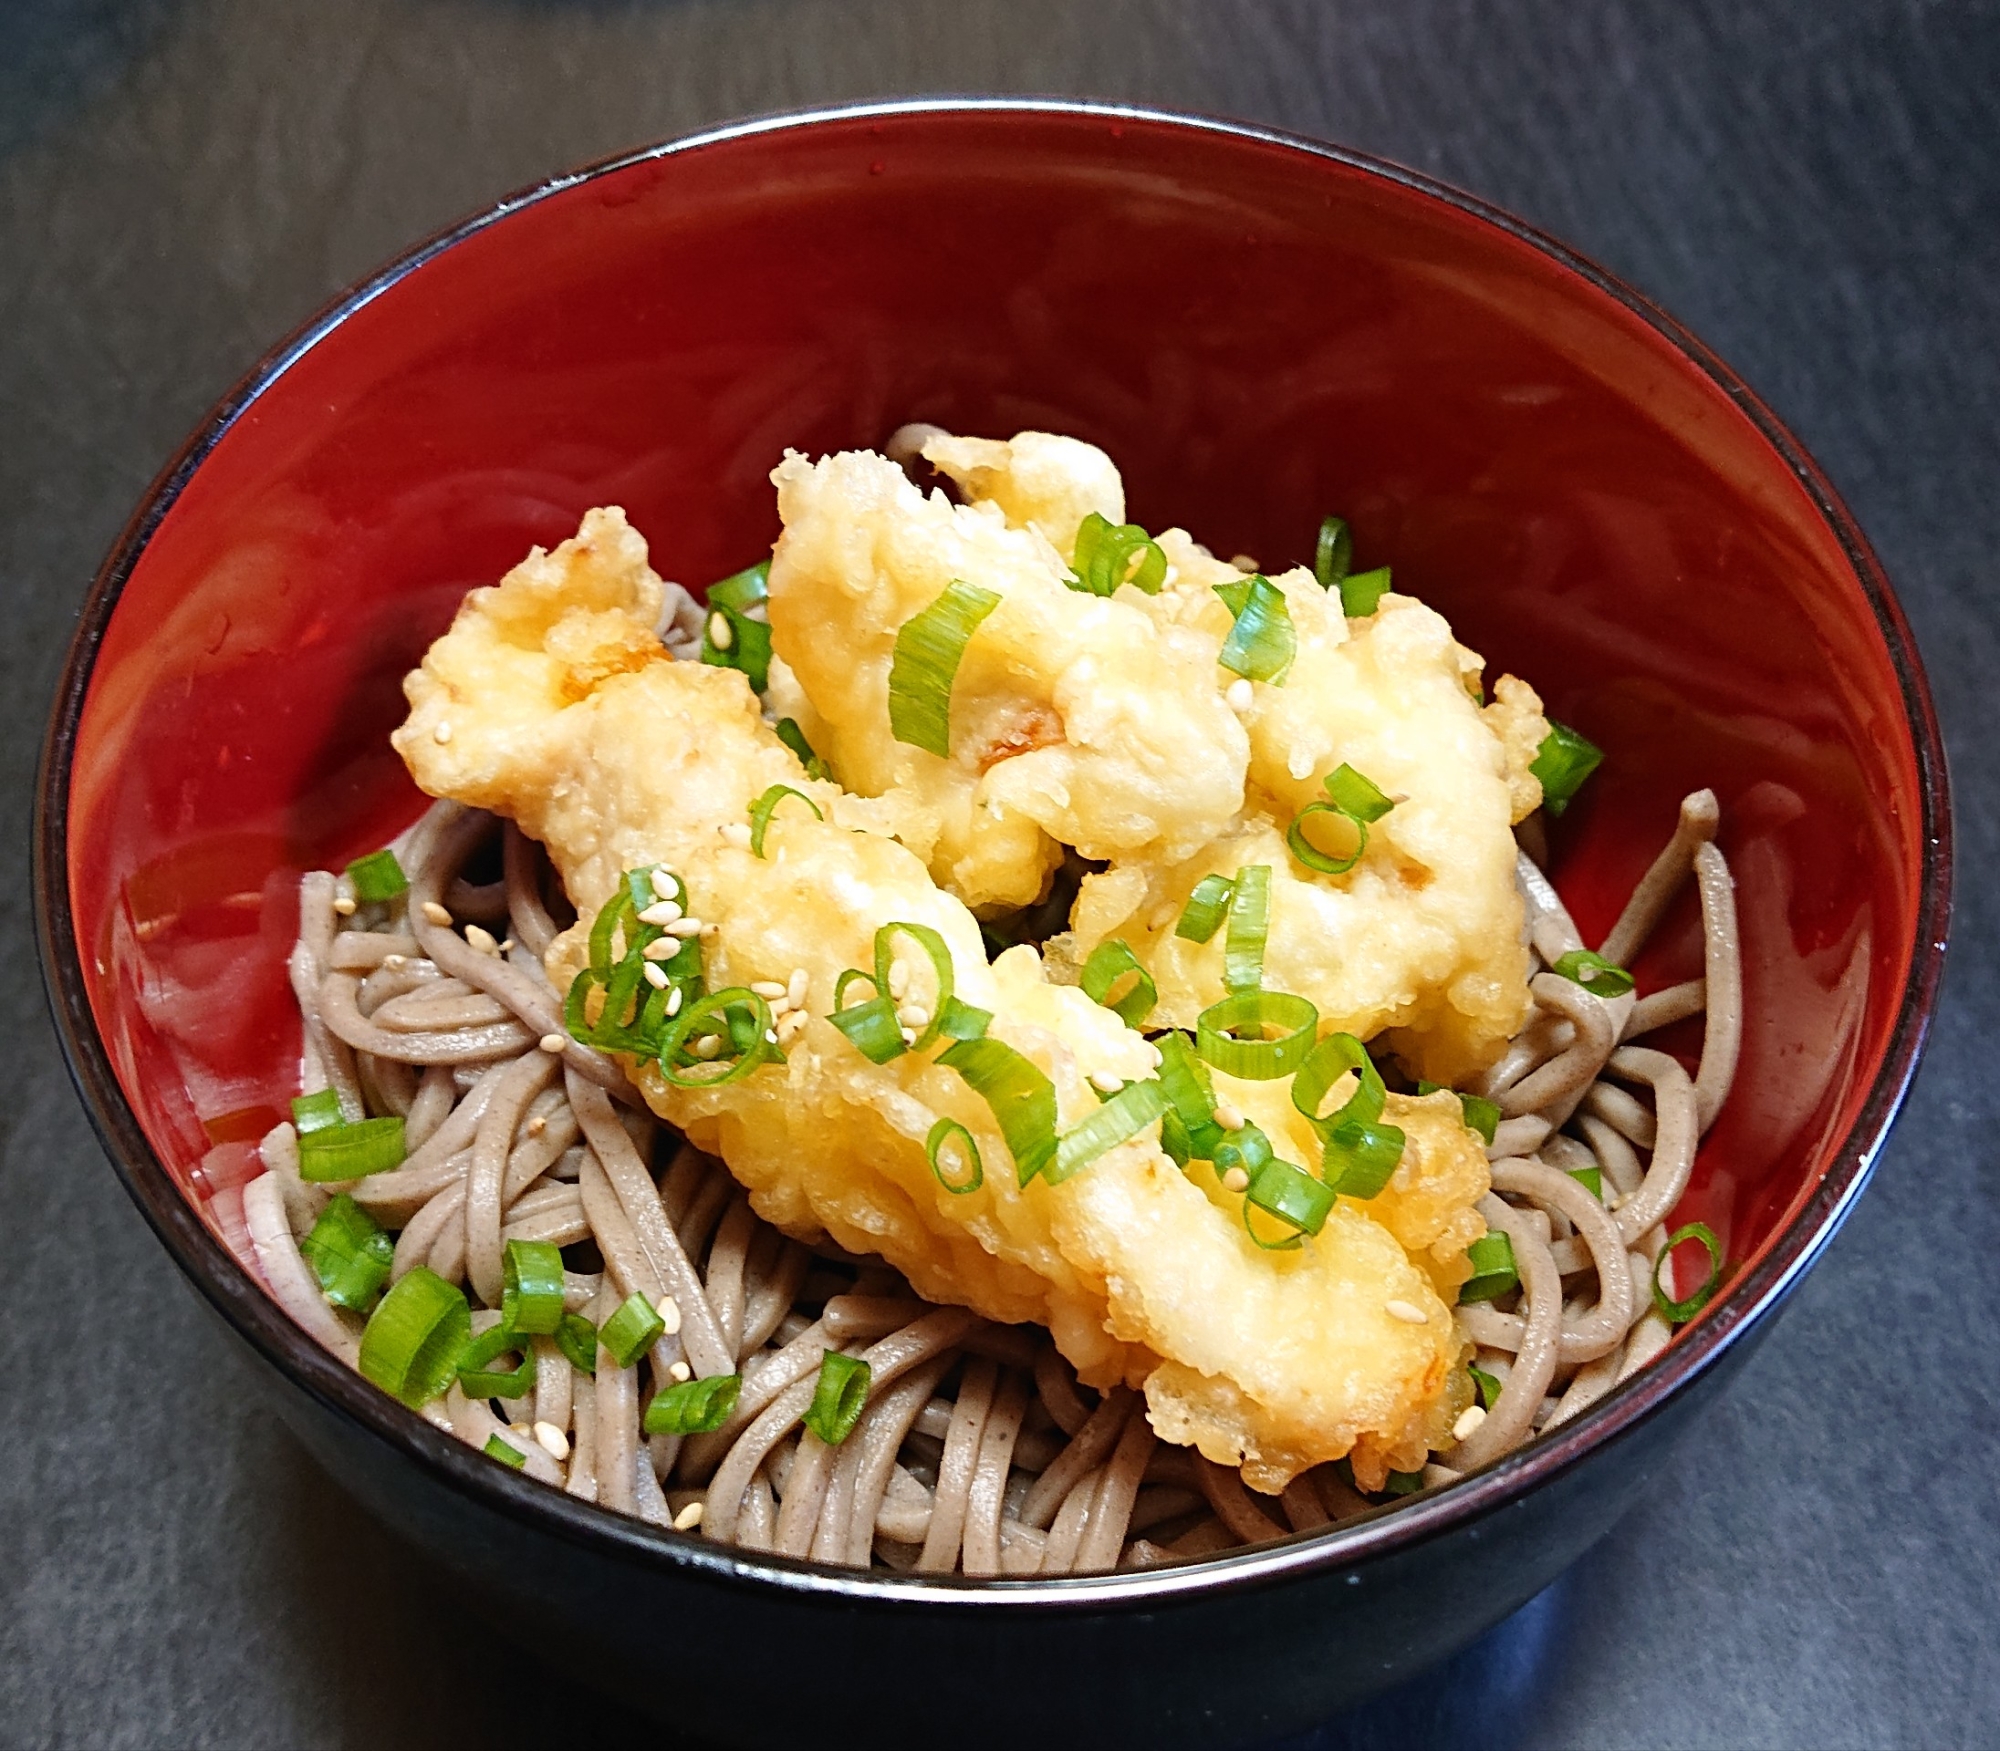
(1257, 333)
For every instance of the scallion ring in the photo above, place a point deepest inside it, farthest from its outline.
(766, 805)
(1122, 1117)
(730, 639)
(1601, 978)
(794, 738)
(924, 665)
(349, 1254)
(1283, 1027)
(1564, 760)
(1293, 1196)
(1190, 1117)
(693, 1407)
(1361, 593)
(1333, 554)
(839, 1397)
(1249, 928)
(576, 1337)
(1021, 1097)
(352, 1151)
(1494, 1272)
(939, 956)
(1262, 644)
(532, 1286)
(378, 876)
(959, 1020)
(479, 1381)
(316, 1112)
(752, 1049)
(1680, 1312)
(413, 1339)
(742, 590)
(949, 1131)
(1103, 558)
(1487, 1385)
(1206, 908)
(496, 1448)
(630, 1332)
(1109, 962)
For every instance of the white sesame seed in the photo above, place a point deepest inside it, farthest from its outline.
(1239, 695)
(899, 979)
(663, 950)
(770, 1036)
(683, 928)
(709, 932)
(1228, 1117)
(737, 834)
(344, 906)
(661, 912)
(436, 914)
(552, 1043)
(553, 1441)
(909, 1036)
(720, 633)
(768, 989)
(1406, 1312)
(1105, 1083)
(394, 962)
(480, 939)
(1300, 763)
(688, 1518)
(656, 975)
(441, 735)
(538, 1124)
(507, 947)
(708, 1046)
(681, 1371)
(794, 1023)
(1236, 1180)
(1468, 1422)
(670, 1314)
(674, 1001)
(914, 1015)
(795, 987)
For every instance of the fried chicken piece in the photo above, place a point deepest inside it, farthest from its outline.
(565, 717)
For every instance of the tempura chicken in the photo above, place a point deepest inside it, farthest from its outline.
(1099, 725)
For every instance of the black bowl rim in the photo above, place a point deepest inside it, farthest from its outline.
(259, 1320)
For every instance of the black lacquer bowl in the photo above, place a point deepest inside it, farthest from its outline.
(1259, 330)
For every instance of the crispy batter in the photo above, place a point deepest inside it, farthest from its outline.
(563, 717)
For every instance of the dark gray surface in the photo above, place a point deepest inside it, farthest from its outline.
(1813, 187)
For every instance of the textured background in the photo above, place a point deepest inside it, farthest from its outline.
(1814, 186)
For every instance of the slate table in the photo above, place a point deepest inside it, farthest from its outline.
(1813, 185)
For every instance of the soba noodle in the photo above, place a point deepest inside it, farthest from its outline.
(977, 1451)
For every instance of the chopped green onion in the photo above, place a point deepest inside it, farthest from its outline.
(344, 1152)
(415, 1336)
(1249, 926)
(958, 1020)
(479, 1381)
(1481, 1115)
(576, 1337)
(795, 739)
(1334, 555)
(1360, 1158)
(496, 1448)
(872, 1028)
(693, 1407)
(315, 1112)
(532, 1293)
(939, 956)
(1262, 644)
(1265, 1057)
(1109, 962)
(1246, 1147)
(1104, 553)
(349, 1254)
(746, 1023)
(730, 639)
(1357, 800)
(1290, 1194)
(1188, 1131)
(1403, 1483)
(1122, 1117)
(1355, 796)
(1362, 592)
(1493, 1269)
(766, 805)
(378, 876)
(1022, 1099)
(1601, 978)
(1679, 1312)
(947, 1131)
(1359, 1152)
(1206, 908)
(1488, 1386)
(929, 648)
(742, 590)
(1564, 760)
(838, 1398)
(1591, 1179)
(630, 1332)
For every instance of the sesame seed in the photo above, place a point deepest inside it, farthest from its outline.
(795, 987)
(899, 980)
(720, 633)
(709, 932)
(670, 1314)
(914, 1015)
(1228, 1117)
(344, 906)
(770, 1036)
(507, 947)
(552, 1043)
(663, 950)
(708, 1046)
(436, 914)
(1406, 1312)
(661, 912)
(1236, 1180)
(769, 989)
(683, 928)
(737, 834)
(1239, 695)
(441, 735)
(681, 1371)
(1105, 1083)
(393, 962)
(794, 1022)
(656, 975)
(1300, 763)
(688, 1518)
(537, 1125)
(674, 1001)
(909, 1036)
(1469, 1420)
(480, 939)
(553, 1441)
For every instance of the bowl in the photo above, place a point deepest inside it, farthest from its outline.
(1259, 329)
